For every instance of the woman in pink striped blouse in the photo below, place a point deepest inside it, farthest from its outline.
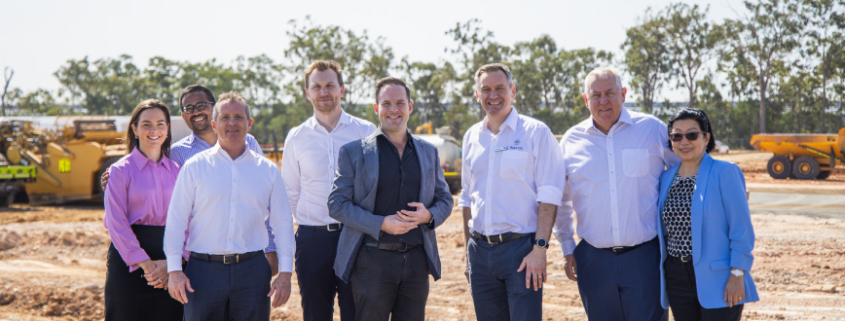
(136, 202)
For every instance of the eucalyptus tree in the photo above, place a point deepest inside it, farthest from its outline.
(691, 42)
(647, 58)
(760, 45)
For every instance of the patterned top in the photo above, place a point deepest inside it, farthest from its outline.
(676, 216)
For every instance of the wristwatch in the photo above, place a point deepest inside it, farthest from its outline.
(737, 272)
(542, 243)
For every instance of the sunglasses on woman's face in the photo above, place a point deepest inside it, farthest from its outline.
(690, 136)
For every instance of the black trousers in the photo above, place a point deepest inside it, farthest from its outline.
(127, 295)
(683, 295)
(390, 285)
(315, 253)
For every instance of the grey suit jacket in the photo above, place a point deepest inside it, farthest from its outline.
(353, 198)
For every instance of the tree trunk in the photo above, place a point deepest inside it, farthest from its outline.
(762, 110)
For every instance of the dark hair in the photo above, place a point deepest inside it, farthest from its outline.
(323, 65)
(392, 81)
(703, 122)
(489, 68)
(131, 139)
(195, 88)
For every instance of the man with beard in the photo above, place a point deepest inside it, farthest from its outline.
(308, 167)
(390, 194)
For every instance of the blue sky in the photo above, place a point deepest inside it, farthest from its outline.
(39, 36)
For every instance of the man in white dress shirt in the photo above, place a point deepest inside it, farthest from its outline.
(613, 164)
(511, 191)
(222, 197)
(308, 169)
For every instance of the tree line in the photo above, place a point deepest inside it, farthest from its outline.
(778, 66)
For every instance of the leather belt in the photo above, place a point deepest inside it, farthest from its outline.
(624, 249)
(331, 227)
(684, 258)
(499, 238)
(225, 258)
(396, 247)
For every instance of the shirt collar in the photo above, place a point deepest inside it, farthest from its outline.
(379, 132)
(194, 138)
(510, 122)
(219, 150)
(624, 117)
(137, 158)
(344, 119)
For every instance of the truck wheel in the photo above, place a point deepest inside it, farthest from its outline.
(779, 167)
(805, 167)
(823, 174)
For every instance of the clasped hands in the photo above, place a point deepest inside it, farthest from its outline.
(155, 272)
(404, 220)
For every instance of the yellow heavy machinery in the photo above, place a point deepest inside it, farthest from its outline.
(802, 156)
(449, 149)
(69, 160)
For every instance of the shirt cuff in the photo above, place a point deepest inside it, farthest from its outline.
(568, 247)
(134, 257)
(174, 263)
(550, 195)
(285, 264)
(464, 200)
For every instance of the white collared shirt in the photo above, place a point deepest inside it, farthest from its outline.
(310, 161)
(506, 175)
(612, 181)
(223, 204)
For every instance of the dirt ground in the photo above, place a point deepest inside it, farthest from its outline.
(52, 263)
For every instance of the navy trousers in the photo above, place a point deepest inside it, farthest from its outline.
(228, 292)
(315, 253)
(498, 291)
(617, 287)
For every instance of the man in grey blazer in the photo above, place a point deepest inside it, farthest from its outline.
(390, 193)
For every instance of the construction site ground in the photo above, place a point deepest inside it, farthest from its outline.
(52, 258)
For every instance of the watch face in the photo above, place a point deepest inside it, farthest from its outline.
(542, 243)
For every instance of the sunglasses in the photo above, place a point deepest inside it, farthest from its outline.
(690, 136)
(200, 106)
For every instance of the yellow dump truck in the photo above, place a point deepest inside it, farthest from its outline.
(69, 160)
(802, 156)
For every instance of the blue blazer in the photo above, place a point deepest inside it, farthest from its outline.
(353, 198)
(722, 235)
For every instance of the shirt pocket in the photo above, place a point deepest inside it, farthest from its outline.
(635, 162)
(513, 165)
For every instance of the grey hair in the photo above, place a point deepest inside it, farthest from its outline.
(488, 68)
(602, 73)
(227, 97)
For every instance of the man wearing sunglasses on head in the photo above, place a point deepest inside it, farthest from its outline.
(613, 162)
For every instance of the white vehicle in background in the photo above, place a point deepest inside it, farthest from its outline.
(721, 148)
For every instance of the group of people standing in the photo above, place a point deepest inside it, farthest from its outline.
(200, 227)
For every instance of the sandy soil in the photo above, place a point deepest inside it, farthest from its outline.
(52, 263)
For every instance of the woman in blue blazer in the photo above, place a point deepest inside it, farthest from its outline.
(705, 235)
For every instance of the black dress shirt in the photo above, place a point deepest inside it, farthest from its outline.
(398, 184)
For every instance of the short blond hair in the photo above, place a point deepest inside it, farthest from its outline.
(228, 97)
(602, 73)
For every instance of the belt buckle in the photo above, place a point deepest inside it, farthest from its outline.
(686, 258)
(405, 248)
(331, 228)
(617, 249)
(235, 258)
(501, 239)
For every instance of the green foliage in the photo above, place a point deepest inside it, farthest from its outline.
(782, 64)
